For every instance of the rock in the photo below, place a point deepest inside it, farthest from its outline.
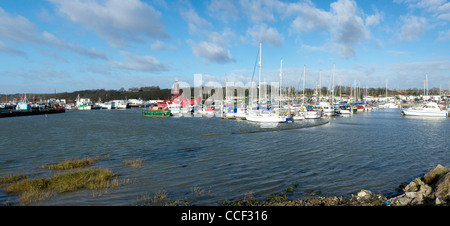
(434, 174)
(364, 194)
(442, 191)
(402, 201)
(414, 185)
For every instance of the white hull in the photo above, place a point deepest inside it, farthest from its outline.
(424, 113)
(388, 105)
(430, 109)
(328, 113)
(266, 118)
(106, 106)
(312, 115)
(298, 117)
(121, 106)
(345, 112)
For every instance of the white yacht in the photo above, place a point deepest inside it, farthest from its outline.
(327, 109)
(266, 116)
(431, 109)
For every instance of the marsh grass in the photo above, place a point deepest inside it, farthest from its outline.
(32, 190)
(159, 197)
(72, 163)
(12, 178)
(199, 191)
(134, 163)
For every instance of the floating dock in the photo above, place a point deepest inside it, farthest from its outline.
(12, 113)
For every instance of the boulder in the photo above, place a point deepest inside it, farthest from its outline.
(364, 194)
(433, 176)
(415, 185)
(442, 190)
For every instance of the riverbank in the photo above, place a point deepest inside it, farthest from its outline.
(431, 190)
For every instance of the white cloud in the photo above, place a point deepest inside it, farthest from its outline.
(19, 29)
(262, 33)
(373, 20)
(10, 50)
(443, 12)
(344, 23)
(195, 22)
(258, 10)
(117, 21)
(412, 27)
(159, 45)
(444, 35)
(225, 10)
(50, 39)
(308, 17)
(211, 48)
(139, 63)
(211, 52)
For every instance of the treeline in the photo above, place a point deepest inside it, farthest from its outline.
(144, 93)
(155, 93)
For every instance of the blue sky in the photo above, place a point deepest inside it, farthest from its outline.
(59, 45)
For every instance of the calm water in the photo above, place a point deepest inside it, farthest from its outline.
(371, 150)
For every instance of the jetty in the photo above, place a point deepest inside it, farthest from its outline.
(12, 113)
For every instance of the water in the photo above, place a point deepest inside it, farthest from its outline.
(371, 150)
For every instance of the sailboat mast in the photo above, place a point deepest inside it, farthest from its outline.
(260, 53)
(386, 89)
(332, 86)
(304, 77)
(281, 78)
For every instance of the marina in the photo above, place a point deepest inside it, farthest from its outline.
(223, 103)
(208, 160)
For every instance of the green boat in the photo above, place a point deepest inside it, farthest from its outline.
(156, 112)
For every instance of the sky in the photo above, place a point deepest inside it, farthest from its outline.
(49, 46)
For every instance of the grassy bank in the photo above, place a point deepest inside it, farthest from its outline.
(72, 175)
(32, 190)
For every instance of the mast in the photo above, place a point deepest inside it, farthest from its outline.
(260, 53)
(304, 77)
(332, 86)
(281, 79)
(386, 90)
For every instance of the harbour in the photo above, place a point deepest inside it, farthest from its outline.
(376, 150)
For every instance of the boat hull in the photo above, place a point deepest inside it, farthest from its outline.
(266, 119)
(424, 113)
(150, 113)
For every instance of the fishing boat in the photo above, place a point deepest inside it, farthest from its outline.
(430, 109)
(120, 104)
(84, 106)
(106, 105)
(83, 103)
(156, 111)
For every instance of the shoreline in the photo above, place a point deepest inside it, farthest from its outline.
(433, 189)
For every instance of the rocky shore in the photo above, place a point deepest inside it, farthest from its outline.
(431, 190)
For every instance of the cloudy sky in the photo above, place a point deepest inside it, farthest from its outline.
(60, 45)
